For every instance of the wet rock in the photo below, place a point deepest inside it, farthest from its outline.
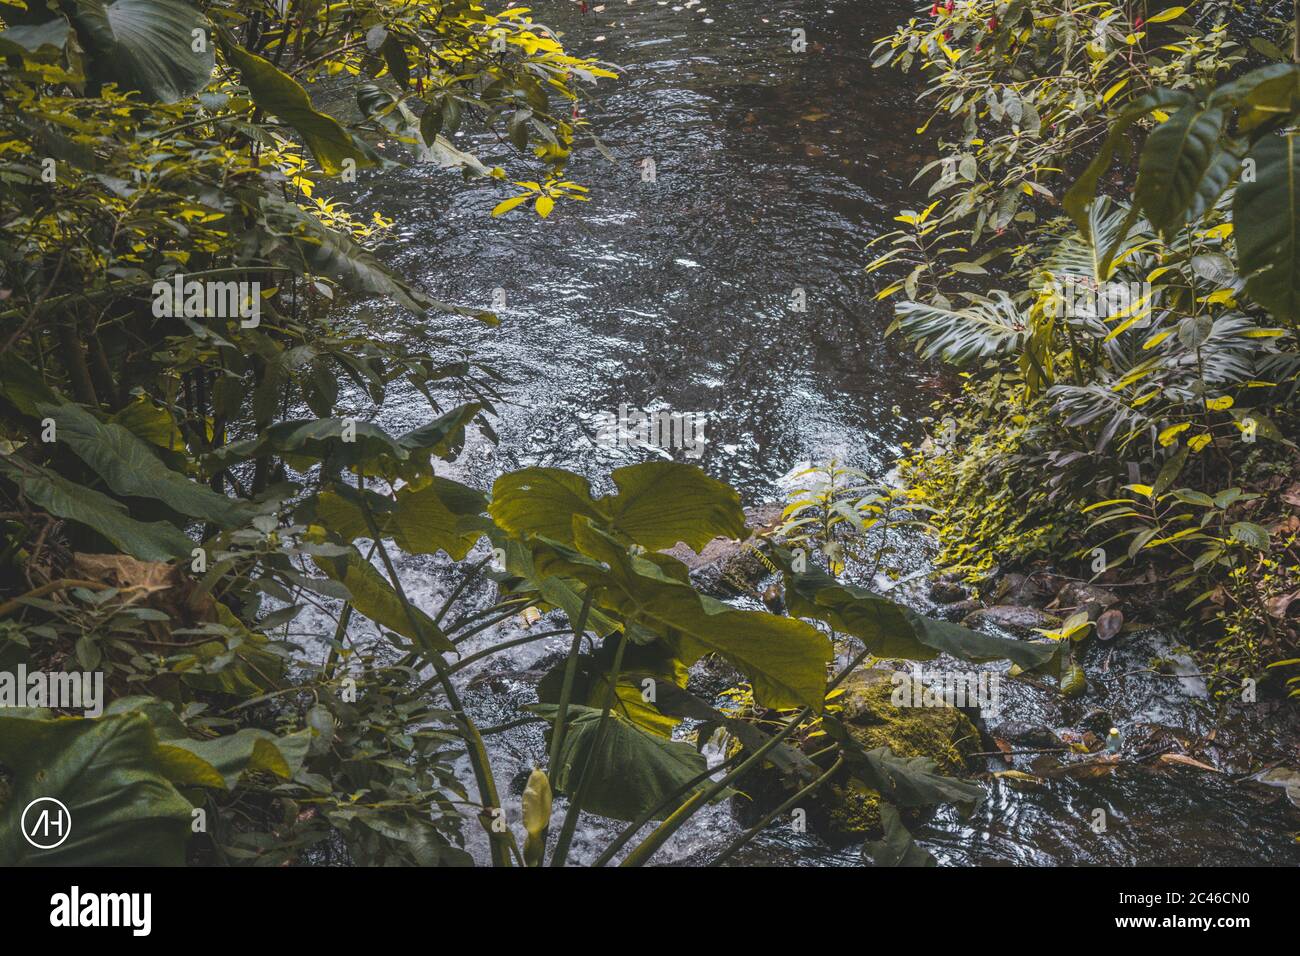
(1285, 778)
(1109, 624)
(1026, 590)
(711, 675)
(1098, 721)
(955, 612)
(1020, 621)
(726, 568)
(1025, 735)
(1077, 594)
(841, 812)
(947, 592)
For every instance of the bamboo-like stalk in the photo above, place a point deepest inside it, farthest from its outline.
(477, 750)
(566, 689)
(757, 828)
(571, 816)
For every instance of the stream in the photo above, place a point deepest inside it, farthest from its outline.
(773, 171)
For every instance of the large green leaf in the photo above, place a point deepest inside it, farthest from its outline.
(443, 515)
(129, 466)
(1080, 196)
(281, 95)
(349, 443)
(541, 501)
(896, 847)
(1093, 254)
(1266, 216)
(1183, 170)
(904, 782)
(145, 45)
(889, 630)
(632, 770)
(374, 597)
(223, 760)
(784, 658)
(437, 517)
(658, 504)
(148, 541)
(110, 775)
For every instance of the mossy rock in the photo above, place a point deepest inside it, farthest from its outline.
(842, 811)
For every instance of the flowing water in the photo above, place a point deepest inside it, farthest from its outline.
(773, 170)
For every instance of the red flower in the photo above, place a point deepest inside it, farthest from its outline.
(1137, 24)
(947, 35)
(949, 6)
(934, 10)
(993, 24)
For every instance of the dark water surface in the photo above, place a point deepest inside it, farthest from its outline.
(774, 171)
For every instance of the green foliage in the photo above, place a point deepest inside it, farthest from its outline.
(114, 778)
(1070, 386)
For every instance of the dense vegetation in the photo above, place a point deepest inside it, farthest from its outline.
(1127, 411)
(188, 465)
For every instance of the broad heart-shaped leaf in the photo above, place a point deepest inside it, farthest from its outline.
(145, 45)
(438, 516)
(148, 541)
(129, 466)
(890, 630)
(541, 501)
(632, 770)
(374, 597)
(658, 504)
(281, 95)
(221, 761)
(784, 658)
(1266, 217)
(110, 775)
(641, 662)
(523, 578)
(1183, 170)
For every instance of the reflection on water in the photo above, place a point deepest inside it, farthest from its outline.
(774, 170)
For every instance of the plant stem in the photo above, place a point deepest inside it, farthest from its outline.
(584, 779)
(469, 732)
(566, 689)
(757, 828)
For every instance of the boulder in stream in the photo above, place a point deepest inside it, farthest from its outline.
(726, 568)
(840, 811)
